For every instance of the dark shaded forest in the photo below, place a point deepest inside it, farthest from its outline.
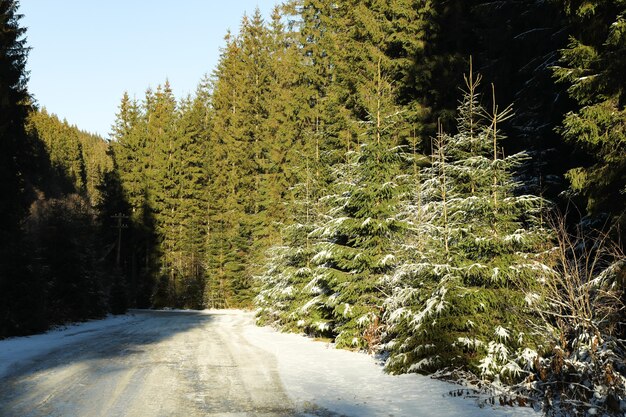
(441, 182)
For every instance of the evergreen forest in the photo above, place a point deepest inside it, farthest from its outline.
(442, 183)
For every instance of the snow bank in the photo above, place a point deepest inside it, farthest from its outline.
(324, 381)
(22, 350)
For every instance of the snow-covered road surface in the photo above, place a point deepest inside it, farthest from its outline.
(162, 364)
(210, 363)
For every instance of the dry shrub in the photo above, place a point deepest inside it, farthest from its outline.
(583, 370)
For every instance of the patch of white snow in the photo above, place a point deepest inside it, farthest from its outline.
(354, 384)
(19, 350)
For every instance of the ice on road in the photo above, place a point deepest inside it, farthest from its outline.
(211, 363)
(162, 364)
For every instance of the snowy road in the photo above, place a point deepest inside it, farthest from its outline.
(162, 364)
(209, 363)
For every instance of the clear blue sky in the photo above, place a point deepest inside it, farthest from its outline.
(86, 53)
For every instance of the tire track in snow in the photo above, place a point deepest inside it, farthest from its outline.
(167, 364)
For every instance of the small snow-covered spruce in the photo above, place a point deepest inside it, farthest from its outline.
(293, 292)
(356, 248)
(455, 298)
(276, 288)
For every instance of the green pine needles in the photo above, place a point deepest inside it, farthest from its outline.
(434, 267)
(457, 296)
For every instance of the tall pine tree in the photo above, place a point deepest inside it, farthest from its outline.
(19, 293)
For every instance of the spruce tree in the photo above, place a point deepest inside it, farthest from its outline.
(128, 144)
(255, 127)
(160, 182)
(226, 243)
(129, 148)
(392, 33)
(593, 67)
(190, 201)
(289, 295)
(292, 295)
(14, 99)
(97, 161)
(324, 115)
(356, 248)
(260, 172)
(457, 298)
(20, 292)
